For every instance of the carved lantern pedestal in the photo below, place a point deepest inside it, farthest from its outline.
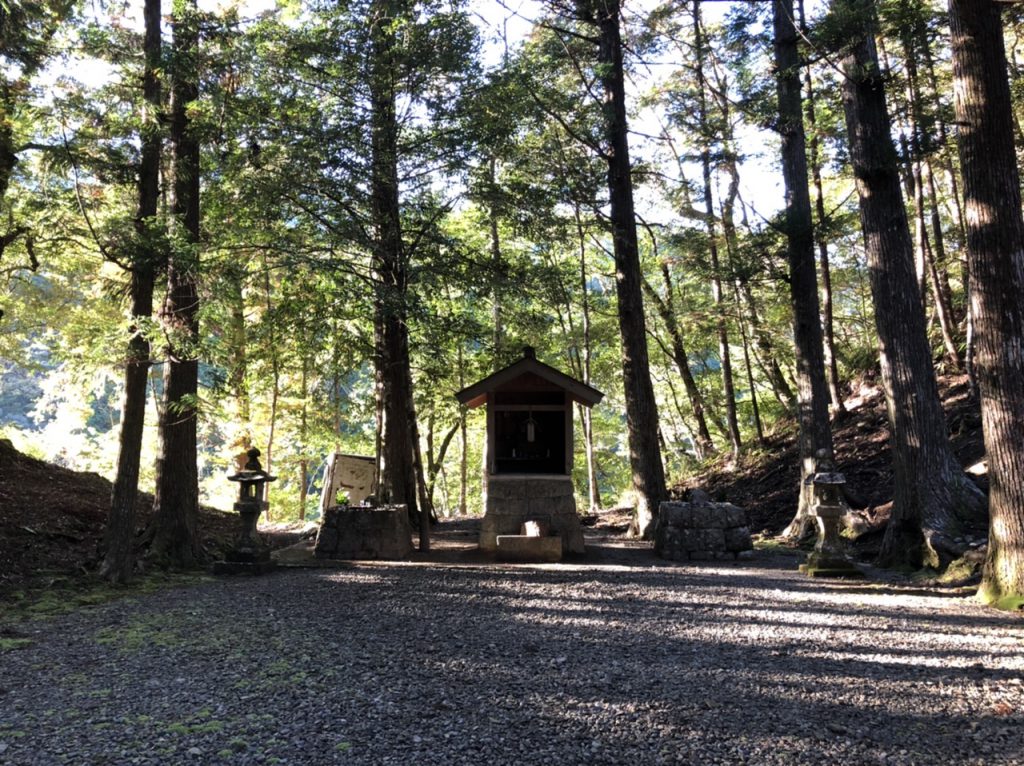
(249, 553)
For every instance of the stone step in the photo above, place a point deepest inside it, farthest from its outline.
(529, 548)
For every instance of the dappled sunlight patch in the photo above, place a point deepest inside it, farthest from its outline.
(353, 577)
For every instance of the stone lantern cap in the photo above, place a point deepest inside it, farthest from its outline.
(253, 472)
(829, 479)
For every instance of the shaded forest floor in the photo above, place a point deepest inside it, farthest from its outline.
(51, 518)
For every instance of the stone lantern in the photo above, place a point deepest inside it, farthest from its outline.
(249, 554)
(828, 558)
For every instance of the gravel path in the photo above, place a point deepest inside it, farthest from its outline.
(429, 664)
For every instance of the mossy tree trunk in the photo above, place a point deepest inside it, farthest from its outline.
(812, 391)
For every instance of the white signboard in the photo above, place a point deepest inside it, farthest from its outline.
(348, 475)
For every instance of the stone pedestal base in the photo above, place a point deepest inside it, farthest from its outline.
(825, 565)
(250, 556)
(381, 532)
(513, 499)
(828, 559)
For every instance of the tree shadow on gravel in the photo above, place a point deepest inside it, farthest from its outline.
(799, 688)
(471, 665)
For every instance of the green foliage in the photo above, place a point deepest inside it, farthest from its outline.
(504, 214)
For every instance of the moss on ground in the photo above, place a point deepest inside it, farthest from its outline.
(8, 644)
(67, 594)
(200, 722)
(1007, 602)
(149, 630)
(775, 545)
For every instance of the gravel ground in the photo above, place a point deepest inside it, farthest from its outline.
(638, 663)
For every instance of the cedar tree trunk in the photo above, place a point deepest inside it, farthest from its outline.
(995, 246)
(933, 496)
(398, 482)
(812, 391)
(176, 507)
(728, 389)
(119, 555)
(641, 408)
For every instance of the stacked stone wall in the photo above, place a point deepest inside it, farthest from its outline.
(701, 531)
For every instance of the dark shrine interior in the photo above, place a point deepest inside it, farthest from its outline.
(530, 441)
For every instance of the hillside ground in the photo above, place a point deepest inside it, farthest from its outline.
(765, 479)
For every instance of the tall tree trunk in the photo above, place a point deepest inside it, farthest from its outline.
(303, 434)
(8, 157)
(119, 554)
(995, 242)
(728, 388)
(426, 505)
(943, 306)
(827, 317)
(275, 382)
(497, 265)
(379, 366)
(463, 442)
(941, 259)
(176, 506)
(758, 426)
(933, 496)
(939, 238)
(732, 245)
(398, 480)
(586, 415)
(435, 462)
(812, 392)
(641, 408)
(765, 350)
(677, 351)
(239, 359)
(945, 158)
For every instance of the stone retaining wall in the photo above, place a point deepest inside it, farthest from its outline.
(701, 531)
(376, 532)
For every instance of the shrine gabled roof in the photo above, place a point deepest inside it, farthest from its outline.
(476, 394)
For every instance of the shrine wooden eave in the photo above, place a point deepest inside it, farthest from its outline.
(476, 394)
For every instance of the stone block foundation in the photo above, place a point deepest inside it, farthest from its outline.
(529, 548)
(356, 532)
(514, 499)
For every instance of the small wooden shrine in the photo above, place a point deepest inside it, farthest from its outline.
(529, 456)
